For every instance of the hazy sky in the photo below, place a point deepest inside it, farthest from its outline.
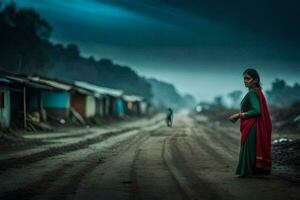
(202, 47)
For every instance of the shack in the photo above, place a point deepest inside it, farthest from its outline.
(109, 101)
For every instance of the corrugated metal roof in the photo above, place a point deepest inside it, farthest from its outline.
(132, 98)
(84, 91)
(52, 83)
(26, 82)
(65, 85)
(5, 80)
(98, 89)
(79, 86)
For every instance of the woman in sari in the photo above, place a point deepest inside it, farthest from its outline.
(255, 127)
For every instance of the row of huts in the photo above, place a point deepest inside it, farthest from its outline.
(33, 98)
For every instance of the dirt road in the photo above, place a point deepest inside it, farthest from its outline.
(137, 160)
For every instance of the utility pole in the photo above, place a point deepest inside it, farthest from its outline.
(24, 104)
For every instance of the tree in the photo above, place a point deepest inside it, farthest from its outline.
(23, 33)
(218, 101)
(106, 62)
(235, 97)
(73, 51)
(30, 22)
(282, 94)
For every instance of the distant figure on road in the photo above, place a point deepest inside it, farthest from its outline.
(255, 126)
(169, 117)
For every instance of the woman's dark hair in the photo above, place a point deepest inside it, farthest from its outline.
(254, 74)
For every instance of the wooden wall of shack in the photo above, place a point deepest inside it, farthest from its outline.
(56, 103)
(90, 106)
(77, 101)
(12, 104)
(136, 108)
(100, 107)
(5, 110)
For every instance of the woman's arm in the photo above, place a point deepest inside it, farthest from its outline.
(233, 118)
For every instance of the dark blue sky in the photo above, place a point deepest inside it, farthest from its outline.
(202, 47)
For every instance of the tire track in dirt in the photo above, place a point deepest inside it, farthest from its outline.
(205, 144)
(163, 155)
(52, 177)
(195, 188)
(78, 135)
(151, 175)
(233, 136)
(219, 141)
(75, 180)
(28, 159)
(109, 184)
(40, 186)
(114, 154)
(198, 153)
(206, 167)
(135, 186)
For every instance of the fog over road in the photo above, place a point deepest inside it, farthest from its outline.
(140, 159)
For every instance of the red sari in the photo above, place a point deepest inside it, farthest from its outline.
(263, 134)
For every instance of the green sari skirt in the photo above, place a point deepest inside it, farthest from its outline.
(247, 157)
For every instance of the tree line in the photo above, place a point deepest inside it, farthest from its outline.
(25, 48)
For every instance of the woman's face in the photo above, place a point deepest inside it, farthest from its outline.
(249, 81)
